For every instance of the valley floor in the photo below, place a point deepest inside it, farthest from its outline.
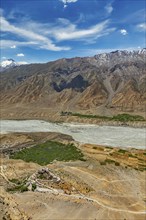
(110, 184)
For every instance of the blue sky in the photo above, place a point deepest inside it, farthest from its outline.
(44, 30)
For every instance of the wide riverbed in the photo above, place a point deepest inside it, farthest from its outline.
(84, 133)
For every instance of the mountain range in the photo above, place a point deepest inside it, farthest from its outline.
(106, 83)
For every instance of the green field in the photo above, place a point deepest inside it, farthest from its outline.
(49, 151)
(120, 117)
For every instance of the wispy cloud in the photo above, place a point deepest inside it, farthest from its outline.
(123, 32)
(20, 55)
(72, 33)
(46, 36)
(22, 63)
(66, 2)
(40, 40)
(5, 44)
(13, 47)
(136, 17)
(109, 8)
(141, 27)
(66, 30)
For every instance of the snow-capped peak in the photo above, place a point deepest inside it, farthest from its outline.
(142, 51)
(8, 63)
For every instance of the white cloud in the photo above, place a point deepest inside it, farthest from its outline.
(5, 44)
(70, 31)
(66, 2)
(141, 27)
(46, 36)
(22, 63)
(40, 39)
(109, 8)
(137, 16)
(13, 46)
(4, 58)
(20, 55)
(123, 32)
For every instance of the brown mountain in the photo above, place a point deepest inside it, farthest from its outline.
(104, 84)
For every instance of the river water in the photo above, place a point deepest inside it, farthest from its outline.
(84, 133)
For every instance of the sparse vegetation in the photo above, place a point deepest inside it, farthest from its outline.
(117, 163)
(109, 161)
(82, 159)
(127, 117)
(109, 147)
(102, 163)
(122, 151)
(34, 186)
(15, 181)
(94, 147)
(23, 188)
(18, 188)
(48, 152)
(119, 117)
(20, 185)
(131, 155)
(142, 169)
(84, 115)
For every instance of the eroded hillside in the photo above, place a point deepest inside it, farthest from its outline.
(103, 84)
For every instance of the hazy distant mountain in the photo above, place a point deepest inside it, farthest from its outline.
(113, 81)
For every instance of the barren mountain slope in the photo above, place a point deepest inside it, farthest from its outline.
(112, 81)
